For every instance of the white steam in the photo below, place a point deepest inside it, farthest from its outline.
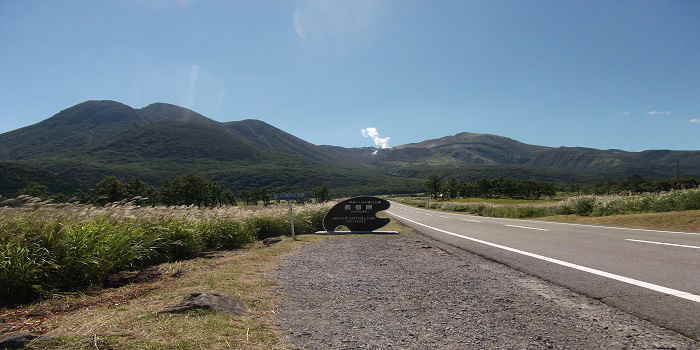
(379, 142)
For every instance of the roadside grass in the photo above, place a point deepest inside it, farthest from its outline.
(126, 317)
(116, 321)
(688, 220)
(596, 206)
(503, 201)
(49, 250)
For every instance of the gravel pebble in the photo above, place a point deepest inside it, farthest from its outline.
(410, 292)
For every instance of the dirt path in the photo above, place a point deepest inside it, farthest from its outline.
(409, 292)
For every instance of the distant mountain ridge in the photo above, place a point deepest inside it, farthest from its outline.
(95, 138)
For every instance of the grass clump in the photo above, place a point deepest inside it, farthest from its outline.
(48, 251)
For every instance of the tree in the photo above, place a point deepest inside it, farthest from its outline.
(110, 189)
(185, 190)
(136, 187)
(453, 187)
(35, 189)
(321, 194)
(433, 185)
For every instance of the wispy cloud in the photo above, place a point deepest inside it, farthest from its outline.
(321, 19)
(662, 113)
(373, 133)
(695, 120)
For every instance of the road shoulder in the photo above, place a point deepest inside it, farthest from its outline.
(409, 291)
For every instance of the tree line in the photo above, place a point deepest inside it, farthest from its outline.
(509, 188)
(488, 188)
(181, 190)
(637, 184)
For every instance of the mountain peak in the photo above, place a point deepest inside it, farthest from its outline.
(94, 112)
(160, 111)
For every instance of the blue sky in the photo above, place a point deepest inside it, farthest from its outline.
(603, 74)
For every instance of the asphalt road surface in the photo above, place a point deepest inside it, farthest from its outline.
(650, 273)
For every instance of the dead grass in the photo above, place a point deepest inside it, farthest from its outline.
(125, 318)
(688, 220)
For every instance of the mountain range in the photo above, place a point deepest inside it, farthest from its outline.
(76, 147)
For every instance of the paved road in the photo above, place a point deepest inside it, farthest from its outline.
(652, 274)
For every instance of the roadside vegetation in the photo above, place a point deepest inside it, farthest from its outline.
(180, 190)
(127, 317)
(590, 205)
(50, 248)
(504, 198)
(688, 220)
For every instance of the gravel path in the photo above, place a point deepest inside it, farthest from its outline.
(409, 292)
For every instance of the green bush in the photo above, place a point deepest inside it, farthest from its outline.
(269, 226)
(225, 234)
(22, 271)
(584, 206)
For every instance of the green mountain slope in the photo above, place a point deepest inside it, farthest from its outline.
(271, 139)
(468, 149)
(79, 145)
(78, 128)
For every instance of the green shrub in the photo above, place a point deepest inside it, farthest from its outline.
(225, 234)
(22, 271)
(584, 206)
(269, 226)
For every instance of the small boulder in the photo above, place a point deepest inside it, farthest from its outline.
(18, 341)
(123, 278)
(271, 241)
(13, 203)
(212, 301)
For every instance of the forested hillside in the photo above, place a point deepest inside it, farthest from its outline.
(77, 147)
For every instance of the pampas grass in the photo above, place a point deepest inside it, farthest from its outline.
(53, 248)
(688, 199)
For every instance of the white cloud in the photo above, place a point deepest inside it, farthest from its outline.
(323, 19)
(695, 120)
(659, 112)
(373, 133)
(298, 24)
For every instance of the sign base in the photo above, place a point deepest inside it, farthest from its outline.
(357, 232)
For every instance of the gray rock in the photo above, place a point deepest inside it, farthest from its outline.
(212, 301)
(271, 241)
(14, 203)
(18, 341)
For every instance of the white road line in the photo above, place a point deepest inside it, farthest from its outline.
(647, 285)
(527, 227)
(444, 217)
(570, 224)
(652, 242)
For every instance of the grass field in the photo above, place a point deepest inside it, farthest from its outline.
(55, 249)
(126, 317)
(593, 206)
(503, 201)
(688, 220)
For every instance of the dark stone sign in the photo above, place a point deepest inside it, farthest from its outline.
(358, 214)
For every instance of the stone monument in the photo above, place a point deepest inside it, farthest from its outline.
(358, 214)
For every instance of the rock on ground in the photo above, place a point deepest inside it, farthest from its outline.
(211, 301)
(410, 292)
